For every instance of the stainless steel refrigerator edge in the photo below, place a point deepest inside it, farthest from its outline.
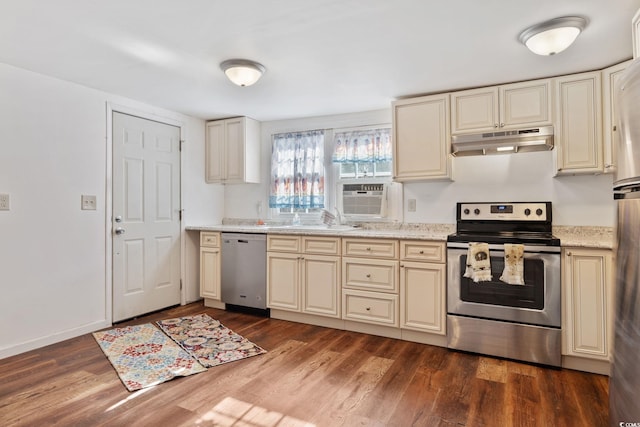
(624, 384)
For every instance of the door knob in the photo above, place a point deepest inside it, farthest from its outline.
(118, 218)
(119, 230)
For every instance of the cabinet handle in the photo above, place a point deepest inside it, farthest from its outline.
(615, 128)
(368, 308)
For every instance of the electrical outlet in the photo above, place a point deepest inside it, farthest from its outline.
(411, 205)
(88, 203)
(4, 202)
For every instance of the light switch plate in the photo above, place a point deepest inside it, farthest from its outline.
(5, 202)
(411, 205)
(88, 203)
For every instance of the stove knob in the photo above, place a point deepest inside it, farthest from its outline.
(538, 211)
(466, 211)
(527, 212)
(476, 211)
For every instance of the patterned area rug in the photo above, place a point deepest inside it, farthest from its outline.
(208, 340)
(143, 356)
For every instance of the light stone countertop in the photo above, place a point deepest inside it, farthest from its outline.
(570, 236)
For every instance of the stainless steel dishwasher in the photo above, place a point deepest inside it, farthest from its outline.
(244, 270)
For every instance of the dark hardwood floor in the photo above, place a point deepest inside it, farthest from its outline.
(311, 376)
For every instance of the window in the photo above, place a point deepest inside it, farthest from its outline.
(363, 153)
(297, 172)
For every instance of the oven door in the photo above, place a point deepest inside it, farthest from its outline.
(537, 302)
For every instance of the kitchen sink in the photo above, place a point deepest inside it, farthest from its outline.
(318, 227)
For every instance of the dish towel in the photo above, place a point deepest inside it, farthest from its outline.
(478, 262)
(513, 272)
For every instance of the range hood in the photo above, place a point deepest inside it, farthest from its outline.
(503, 142)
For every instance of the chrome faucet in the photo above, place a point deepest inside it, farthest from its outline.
(338, 216)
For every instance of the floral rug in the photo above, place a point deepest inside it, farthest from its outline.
(206, 339)
(143, 356)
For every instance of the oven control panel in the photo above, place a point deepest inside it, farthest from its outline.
(513, 211)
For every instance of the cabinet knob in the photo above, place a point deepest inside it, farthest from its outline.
(368, 249)
(368, 276)
(495, 125)
(368, 308)
(615, 128)
(569, 254)
(501, 125)
(421, 252)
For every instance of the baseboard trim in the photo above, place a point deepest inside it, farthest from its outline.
(52, 339)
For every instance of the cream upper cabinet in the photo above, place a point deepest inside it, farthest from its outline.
(421, 139)
(588, 303)
(233, 151)
(422, 286)
(611, 133)
(578, 128)
(509, 106)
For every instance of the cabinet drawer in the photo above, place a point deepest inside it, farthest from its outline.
(370, 307)
(370, 275)
(370, 248)
(422, 251)
(321, 245)
(283, 243)
(211, 239)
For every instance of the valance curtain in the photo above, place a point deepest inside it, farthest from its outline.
(372, 145)
(297, 170)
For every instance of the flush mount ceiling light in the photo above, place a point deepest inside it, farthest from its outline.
(242, 71)
(553, 36)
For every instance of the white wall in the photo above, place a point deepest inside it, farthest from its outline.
(577, 200)
(52, 254)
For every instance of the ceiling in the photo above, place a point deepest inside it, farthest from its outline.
(322, 56)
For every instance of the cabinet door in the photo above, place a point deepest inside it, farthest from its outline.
(421, 139)
(611, 134)
(578, 131)
(474, 110)
(210, 273)
(525, 104)
(422, 297)
(283, 281)
(320, 285)
(588, 309)
(234, 161)
(214, 152)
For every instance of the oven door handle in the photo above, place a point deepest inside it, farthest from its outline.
(500, 248)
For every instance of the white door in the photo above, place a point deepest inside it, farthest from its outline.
(146, 216)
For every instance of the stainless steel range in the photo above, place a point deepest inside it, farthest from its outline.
(503, 282)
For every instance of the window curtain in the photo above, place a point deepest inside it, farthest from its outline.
(373, 145)
(297, 170)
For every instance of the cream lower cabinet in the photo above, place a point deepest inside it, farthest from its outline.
(422, 286)
(588, 315)
(370, 281)
(303, 274)
(210, 265)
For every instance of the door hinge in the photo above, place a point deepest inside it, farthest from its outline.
(180, 284)
(181, 143)
(180, 214)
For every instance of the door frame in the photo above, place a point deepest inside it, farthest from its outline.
(147, 114)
